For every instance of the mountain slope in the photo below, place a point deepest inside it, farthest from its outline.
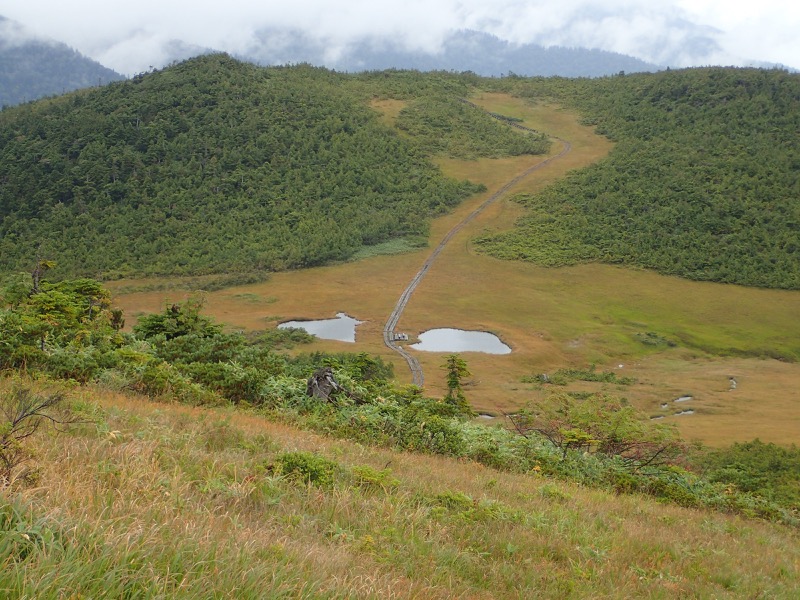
(703, 182)
(188, 503)
(216, 166)
(31, 68)
(210, 166)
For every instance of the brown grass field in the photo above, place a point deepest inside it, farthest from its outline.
(152, 500)
(552, 318)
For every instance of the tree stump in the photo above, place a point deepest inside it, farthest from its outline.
(322, 384)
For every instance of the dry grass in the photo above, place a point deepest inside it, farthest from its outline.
(172, 501)
(551, 317)
(388, 109)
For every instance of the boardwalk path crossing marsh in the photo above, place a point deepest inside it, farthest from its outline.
(418, 376)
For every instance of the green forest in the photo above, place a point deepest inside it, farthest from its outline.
(209, 166)
(218, 166)
(703, 181)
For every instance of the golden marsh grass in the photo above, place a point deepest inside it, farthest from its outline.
(552, 318)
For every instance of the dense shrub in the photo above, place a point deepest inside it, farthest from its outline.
(308, 467)
(766, 470)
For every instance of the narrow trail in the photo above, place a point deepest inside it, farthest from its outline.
(418, 377)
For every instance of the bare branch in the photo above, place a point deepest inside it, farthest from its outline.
(24, 412)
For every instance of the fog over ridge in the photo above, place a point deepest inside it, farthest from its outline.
(132, 37)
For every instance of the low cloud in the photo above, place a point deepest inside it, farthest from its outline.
(13, 34)
(132, 37)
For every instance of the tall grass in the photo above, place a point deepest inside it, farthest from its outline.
(169, 501)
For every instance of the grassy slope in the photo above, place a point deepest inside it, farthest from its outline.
(553, 317)
(171, 501)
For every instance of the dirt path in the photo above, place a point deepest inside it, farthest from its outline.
(418, 376)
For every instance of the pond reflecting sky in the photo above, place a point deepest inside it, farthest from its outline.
(458, 340)
(342, 328)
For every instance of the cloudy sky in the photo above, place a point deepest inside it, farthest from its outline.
(131, 36)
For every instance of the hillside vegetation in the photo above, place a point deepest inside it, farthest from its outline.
(703, 182)
(210, 166)
(214, 166)
(270, 490)
(68, 330)
(154, 500)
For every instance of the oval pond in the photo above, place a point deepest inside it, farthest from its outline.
(458, 340)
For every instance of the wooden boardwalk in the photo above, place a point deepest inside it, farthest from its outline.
(418, 377)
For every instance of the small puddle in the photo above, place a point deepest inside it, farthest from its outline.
(342, 328)
(684, 412)
(683, 399)
(458, 340)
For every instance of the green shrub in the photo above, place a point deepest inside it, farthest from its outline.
(282, 391)
(454, 500)
(158, 378)
(767, 470)
(434, 435)
(176, 321)
(309, 468)
(79, 364)
(21, 534)
(366, 476)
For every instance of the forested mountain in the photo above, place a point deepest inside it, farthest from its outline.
(703, 183)
(214, 165)
(32, 68)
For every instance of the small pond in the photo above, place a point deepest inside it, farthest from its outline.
(342, 328)
(458, 340)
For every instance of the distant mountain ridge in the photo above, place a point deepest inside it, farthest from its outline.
(32, 68)
(466, 50)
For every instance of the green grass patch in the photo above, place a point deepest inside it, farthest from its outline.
(207, 283)
(255, 298)
(567, 375)
(391, 247)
